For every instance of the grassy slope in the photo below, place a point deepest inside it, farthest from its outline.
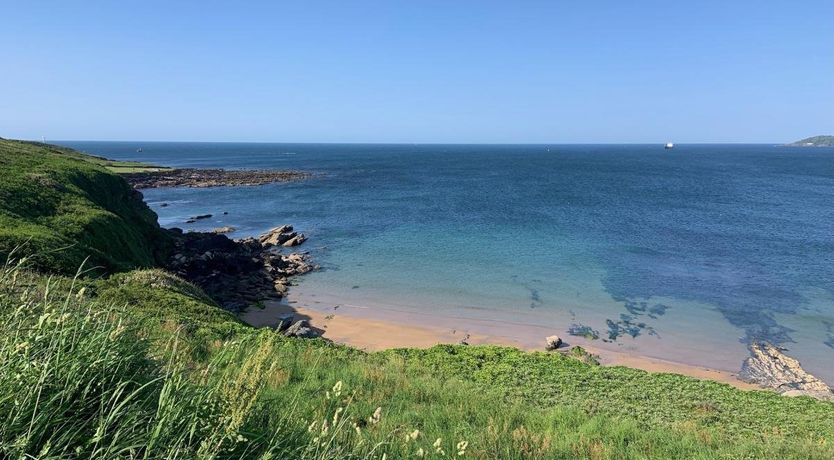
(66, 206)
(93, 374)
(255, 392)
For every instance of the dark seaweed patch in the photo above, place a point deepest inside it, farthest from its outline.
(581, 330)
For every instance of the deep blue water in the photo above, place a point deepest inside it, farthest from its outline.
(611, 237)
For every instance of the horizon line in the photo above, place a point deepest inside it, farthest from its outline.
(406, 143)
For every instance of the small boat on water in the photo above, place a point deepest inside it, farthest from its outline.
(139, 150)
(669, 145)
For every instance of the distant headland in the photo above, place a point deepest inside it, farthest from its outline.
(815, 141)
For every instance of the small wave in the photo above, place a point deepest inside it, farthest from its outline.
(161, 202)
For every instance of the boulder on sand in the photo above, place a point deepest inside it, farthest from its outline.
(302, 329)
(769, 367)
(552, 342)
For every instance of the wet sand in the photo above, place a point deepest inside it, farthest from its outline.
(359, 329)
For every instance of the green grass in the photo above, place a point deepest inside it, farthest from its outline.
(651, 399)
(116, 166)
(63, 207)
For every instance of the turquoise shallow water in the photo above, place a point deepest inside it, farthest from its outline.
(657, 251)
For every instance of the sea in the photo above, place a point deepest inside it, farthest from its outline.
(685, 254)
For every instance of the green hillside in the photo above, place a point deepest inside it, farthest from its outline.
(64, 206)
(142, 364)
(815, 141)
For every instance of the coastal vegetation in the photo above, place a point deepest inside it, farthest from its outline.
(65, 207)
(128, 360)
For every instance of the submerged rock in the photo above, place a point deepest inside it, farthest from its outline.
(190, 177)
(769, 367)
(224, 229)
(552, 342)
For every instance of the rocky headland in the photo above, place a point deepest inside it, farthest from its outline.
(815, 141)
(189, 177)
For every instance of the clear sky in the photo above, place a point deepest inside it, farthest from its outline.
(418, 71)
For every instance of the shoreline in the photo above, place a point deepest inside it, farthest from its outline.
(342, 326)
(774, 370)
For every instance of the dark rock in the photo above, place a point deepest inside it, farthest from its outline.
(235, 273)
(201, 216)
(284, 322)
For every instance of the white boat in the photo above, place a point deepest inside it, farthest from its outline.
(669, 145)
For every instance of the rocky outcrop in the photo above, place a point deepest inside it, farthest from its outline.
(302, 329)
(769, 367)
(294, 241)
(188, 177)
(235, 273)
(282, 236)
(277, 236)
(552, 342)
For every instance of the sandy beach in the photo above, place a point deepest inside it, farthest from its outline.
(385, 330)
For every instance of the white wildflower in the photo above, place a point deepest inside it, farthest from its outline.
(437, 447)
(377, 415)
(412, 436)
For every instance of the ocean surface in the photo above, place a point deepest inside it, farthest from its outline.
(683, 254)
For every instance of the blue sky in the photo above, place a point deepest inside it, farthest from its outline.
(418, 71)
